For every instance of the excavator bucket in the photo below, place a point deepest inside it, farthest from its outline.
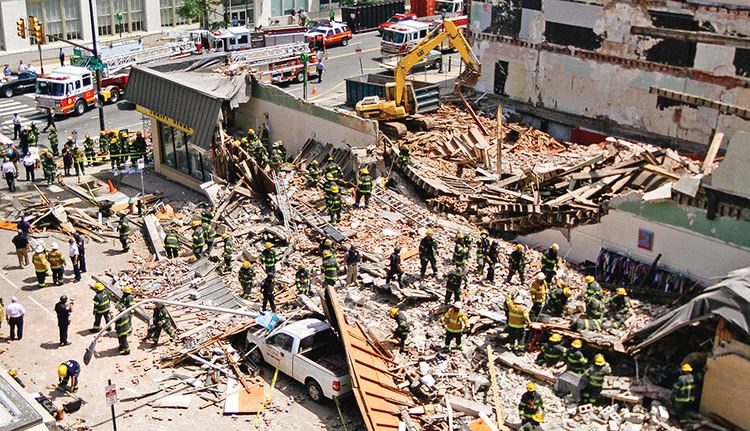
(468, 77)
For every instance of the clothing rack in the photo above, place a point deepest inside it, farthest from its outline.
(617, 269)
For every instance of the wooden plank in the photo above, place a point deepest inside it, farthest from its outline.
(658, 170)
(708, 162)
(499, 414)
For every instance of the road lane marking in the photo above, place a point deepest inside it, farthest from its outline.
(29, 297)
(353, 53)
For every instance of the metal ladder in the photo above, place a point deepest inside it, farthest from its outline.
(393, 201)
(116, 63)
(315, 221)
(282, 198)
(260, 55)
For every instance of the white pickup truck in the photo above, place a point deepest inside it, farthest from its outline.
(308, 351)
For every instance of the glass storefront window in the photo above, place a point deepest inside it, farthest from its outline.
(178, 153)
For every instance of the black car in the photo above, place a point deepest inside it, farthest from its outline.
(24, 83)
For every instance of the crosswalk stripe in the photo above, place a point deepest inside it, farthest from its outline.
(18, 111)
(11, 105)
(9, 102)
(13, 109)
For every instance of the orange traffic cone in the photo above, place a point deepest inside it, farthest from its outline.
(112, 188)
(314, 91)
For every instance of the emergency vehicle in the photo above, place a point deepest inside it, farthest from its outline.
(230, 39)
(402, 37)
(278, 64)
(328, 33)
(395, 19)
(72, 89)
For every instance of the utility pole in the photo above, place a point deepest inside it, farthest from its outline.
(97, 72)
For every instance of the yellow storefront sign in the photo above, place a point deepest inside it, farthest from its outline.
(164, 119)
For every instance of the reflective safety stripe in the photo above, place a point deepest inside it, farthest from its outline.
(40, 262)
(455, 321)
(517, 316)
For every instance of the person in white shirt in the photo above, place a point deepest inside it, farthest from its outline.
(31, 68)
(9, 172)
(74, 256)
(16, 126)
(22, 67)
(14, 312)
(29, 163)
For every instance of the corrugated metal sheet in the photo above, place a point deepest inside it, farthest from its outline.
(164, 95)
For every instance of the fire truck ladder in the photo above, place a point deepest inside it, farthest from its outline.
(261, 55)
(116, 63)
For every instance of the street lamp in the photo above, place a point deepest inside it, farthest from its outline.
(90, 350)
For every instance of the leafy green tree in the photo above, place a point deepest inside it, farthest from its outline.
(198, 11)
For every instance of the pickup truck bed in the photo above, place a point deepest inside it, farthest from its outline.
(329, 356)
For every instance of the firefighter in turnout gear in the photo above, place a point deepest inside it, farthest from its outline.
(584, 324)
(683, 391)
(115, 159)
(333, 204)
(49, 167)
(268, 259)
(78, 160)
(538, 295)
(209, 234)
(313, 173)
(394, 267)
(594, 309)
(594, 376)
(364, 188)
(330, 268)
(493, 254)
(402, 327)
(56, 264)
(334, 169)
(328, 183)
(404, 156)
(268, 295)
(172, 244)
(160, 321)
(483, 249)
(531, 403)
(124, 325)
(575, 358)
(228, 250)
(457, 279)
(103, 142)
(246, 277)
(593, 290)
(619, 306)
(460, 251)
(427, 252)
(53, 141)
(552, 351)
(535, 424)
(326, 244)
(88, 149)
(557, 299)
(101, 307)
(518, 320)
(199, 240)
(123, 231)
(140, 146)
(517, 264)
(207, 216)
(550, 262)
(302, 280)
(41, 266)
(455, 322)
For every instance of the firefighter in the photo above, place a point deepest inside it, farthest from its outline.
(404, 156)
(455, 322)
(268, 259)
(456, 280)
(593, 290)
(209, 234)
(328, 183)
(330, 268)
(160, 321)
(364, 188)
(574, 357)
(68, 371)
(550, 262)
(326, 244)
(538, 295)
(483, 248)
(594, 309)
(334, 169)
(199, 240)
(115, 157)
(103, 142)
(518, 319)
(279, 146)
(261, 156)
(402, 327)
(302, 280)
(530, 404)
(228, 250)
(584, 324)
(124, 325)
(246, 277)
(535, 424)
(207, 215)
(313, 173)
(172, 244)
(123, 231)
(558, 299)
(139, 147)
(618, 307)
(552, 351)
(594, 376)
(276, 159)
(492, 256)
(251, 137)
(333, 204)
(427, 252)
(41, 265)
(88, 149)
(56, 263)
(101, 306)
(683, 391)
(53, 141)
(460, 251)
(78, 160)
(394, 267)
(49, 167)
(268, 295)
(517, 264)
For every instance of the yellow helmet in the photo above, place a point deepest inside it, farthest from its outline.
(70, 138)
(393, 312)
(686, 367)
(518, 247)
(555, 338)
(314, 162)
(554, 246)
(428, 232)
(531, 386)
(577, 343)
(127, 289)
(87, 136)
(268, 245)
(113, 141)
(365, 171)
(62, 370)
(98, 286)
(196, 223)
(588, 279)
(621, 291)
(329, 176)
(242, 141)
(335, 189)
(246, 264)
(327, 253)
(251, 131)
(44, 151)
(225, 235)
(538, 417)
(484, 232)
(599, 359)
(237, 142)
(566, 291)
(102, 132)
(328, 242)
(301, 266)
(460, 235)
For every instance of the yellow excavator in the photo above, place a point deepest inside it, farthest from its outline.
(400, 99)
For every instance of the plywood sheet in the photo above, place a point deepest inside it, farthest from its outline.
(239, 401)
(725, 389)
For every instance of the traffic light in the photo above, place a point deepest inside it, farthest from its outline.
(21, 26)
(39, 33)
(32, 26)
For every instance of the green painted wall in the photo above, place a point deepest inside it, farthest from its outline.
(694, 219)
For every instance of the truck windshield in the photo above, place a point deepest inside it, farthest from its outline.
(393, 37)
(50, 88)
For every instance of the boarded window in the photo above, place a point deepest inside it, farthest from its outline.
(564, 34)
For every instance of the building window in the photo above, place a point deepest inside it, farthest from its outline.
(132, 16)
(242, 12)
(168, 12)
(136, 15)
(60, 18)
(104, 17)
(285, 7)
(179, 153)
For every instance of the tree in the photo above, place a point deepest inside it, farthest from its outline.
(197, 10)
